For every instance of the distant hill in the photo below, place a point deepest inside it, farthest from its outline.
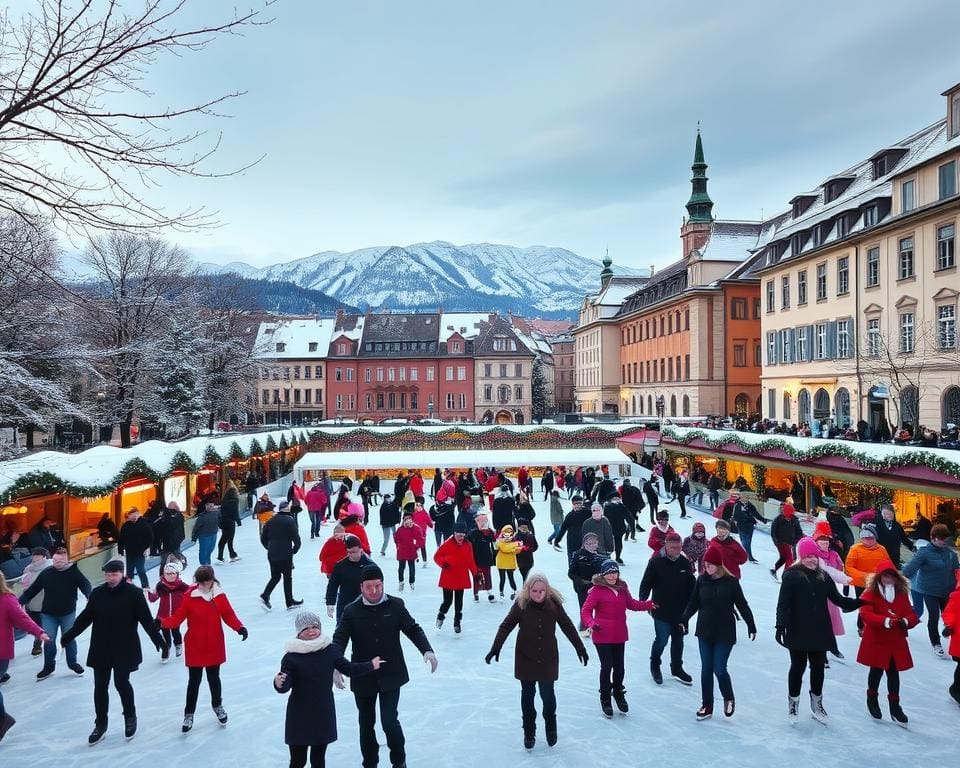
(278, 296)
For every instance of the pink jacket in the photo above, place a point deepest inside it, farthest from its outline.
(422, 518)
(605, 611)
(12, 615)
(832, 564)
(863, 516)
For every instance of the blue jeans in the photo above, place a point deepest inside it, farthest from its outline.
(917, 599)
(315, 518)
(714, 500)
(50, 625)
(713, 661)
(746, 538)
(206, 544)
(136, 565)
(665, 631)
(556, 530)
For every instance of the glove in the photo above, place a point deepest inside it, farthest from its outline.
(243, 633)
(947, 631)
(903, 623)
(490, 656)
(330, 611)
(683, 628)
(780, 636)
(582, 655)
(430, 658)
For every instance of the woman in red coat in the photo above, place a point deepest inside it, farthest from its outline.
(350, 517)
(333, 550)
(457, 566)
(205, 608)
(887, 617)
(951, 629)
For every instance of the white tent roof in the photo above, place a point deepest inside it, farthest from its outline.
(545, 457)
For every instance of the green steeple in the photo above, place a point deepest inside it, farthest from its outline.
(607, 273)
(699, 206)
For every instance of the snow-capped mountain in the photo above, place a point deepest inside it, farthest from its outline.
(537, 280)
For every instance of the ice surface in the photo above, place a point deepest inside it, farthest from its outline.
(467, 714)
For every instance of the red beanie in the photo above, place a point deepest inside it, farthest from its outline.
(822, 530)
(712, 555)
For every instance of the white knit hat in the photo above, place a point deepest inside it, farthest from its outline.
(174, 565)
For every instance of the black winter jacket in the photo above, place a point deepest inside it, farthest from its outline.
(280, 537)
(786, 530)
(504, 512)
(745, 516)
(633, 499)
(230, 510)
(390, 513)
(136, 536)
(482, 542)
(343, 586)
(615, 511)
(169, 530)
(670, 582)
(583, 567)
(715, 600)
(571, 527)
(892, 538)
(802, 608)
(59, 590)
(207, 524)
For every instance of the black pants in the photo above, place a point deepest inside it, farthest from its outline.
(528, 710)
(171, 636)
(367, 716)
(504, 575)
(653, 512)
(136, 564)
(934, 606)
(611, 667)
(798, 665)
(281, 569)
(227, 533)
(101, 692)
(893, 679)
(193, 687)
(618, 543)
(454, 596)
(683, 505)
(318, 756)
(581, 598)
(412, 567)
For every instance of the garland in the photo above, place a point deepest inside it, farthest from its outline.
(829, 449)
(759, 472)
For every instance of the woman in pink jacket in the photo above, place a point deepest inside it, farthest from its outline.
(12, 616)
(604, 614)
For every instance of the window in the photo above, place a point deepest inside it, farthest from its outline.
(518, 391)
(307, 370)
(802, 287)
(487, 370)
(339, 402)
(338, 374)
(785, 292)
(503, 344)
(757, 356)
(770, 295)
(841, 227)
(379, 401)
(403, 374)
(391, 374)
(873, 337)
(503, 370)
(906, 332)
(414, 401)
(518, 370)
(461, 373)
(368, 402)
(947, 326)
(786, 405)
(880, 167)
(906, 258)
(821, 282)
(296, 396)
(820, 340)
(488, 392)
(281, 347)
(449, 373)
(430, 373)
(349, 374)
(686, 316)
(756, 311)
(869, 216)
(686, 367)
(296, 371)
(318, 372)
(456, 347)
(413, 374)
(449, 401)
(814, 238)
(669, 369)
(873, 267)
(945, 246)
(786, 351)
(392, 401)
(801, 343)
(318, 396)
(955, 115)
(341, 348)
(771, 403)
(312, 346)
(669, 323)
(843, 275)
(463, 401)
(908, 197)
(771, 347)
(948, 179)
(843, 338)
(738, 309)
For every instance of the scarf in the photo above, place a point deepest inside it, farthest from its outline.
(297, 645)
(889, 592)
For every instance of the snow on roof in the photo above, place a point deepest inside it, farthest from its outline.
(468, 320)
(938, 144)
(617, 289)
(296, 335)
(467, 458)
(731, 240)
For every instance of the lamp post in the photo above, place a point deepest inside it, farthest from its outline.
(661, 407)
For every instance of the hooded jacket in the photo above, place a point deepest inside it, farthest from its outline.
(456, 563)
(605, 611)
(884, 637)
(732, 554)
(931, 570)
(205, 614)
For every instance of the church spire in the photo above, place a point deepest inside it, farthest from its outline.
(699, 206)
(607, 272)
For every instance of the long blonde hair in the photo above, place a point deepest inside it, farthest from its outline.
(523, 596)
(4, 589)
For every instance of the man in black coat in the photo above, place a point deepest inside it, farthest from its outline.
(136, 538)
(681, 490)
(891, 537)
(653, 499)
(45, 534)
(169, 530)
(669, 578)
(373, 624)
(504, 509)
(572, 523)
(615, 511)
(114, 609)
(546, 482)
(281, 538)
(584, 565)
(343, 586)
(633, 501)
(389, 520)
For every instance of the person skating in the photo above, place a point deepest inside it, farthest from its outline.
(604, 614)
(584, 566)
(599, 525)
(457, 566)
(951, 630)
(205, 529)
(113, 611)
(862, 561)
(504, 511)
(931, 572)
(653, 498)
(669, 581)
(372, 626)
(351, 518)
(633, 500)
(732, 554)
(833, 566)
(307, 674)
(60, 584)
(39, 561)
(507, 548)
(616, 513)
(135, 540)
(281, 538)
(229, 522)
(785, 532)
(556, 518)
(389, 519)
(317, 503)
(887, 617)
(695, 546)
(343, 586)
(658, 534)
(891, 536)
(170, 591)
(12, 617)
(333, 550)
(681, 490)
(170, 532)
(804, 628)
(528, 545)
(409, 539)
(482, 539)
(422, 519)
(572, 526)
(537, 612)
(746, 517)
(717, 597)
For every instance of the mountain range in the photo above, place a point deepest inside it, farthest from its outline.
(533, 281)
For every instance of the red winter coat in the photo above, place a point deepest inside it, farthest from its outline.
(331, 553)
(732, 554)
(169, 594)
(422, 518)
(456, 564)
(361, 533)
(317, 500)
(416, 486)
(605, 611)
(951, 618)
(204, 645)
(658, 538)
(408, 539)
(881, 644)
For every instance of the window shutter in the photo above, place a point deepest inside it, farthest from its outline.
(831, 339)
(810, 343)
(778, 346)
(792, 341)
(852, 325)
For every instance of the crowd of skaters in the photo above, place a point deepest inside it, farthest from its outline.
(689, 577)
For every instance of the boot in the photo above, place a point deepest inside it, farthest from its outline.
(873, 705)
(896, 712)
(187, 723)
(221, 714)
(529, 735)
(401, 586)
(97, 734)
(440, 618)
(793, 709)
(954, 691)
(729, 706)
(619, 696)
(7, 722)
(655, 672)
(678, 674)
(816, 708)
(550, 726)
(705, 712)
(605, 705)
(130, 726)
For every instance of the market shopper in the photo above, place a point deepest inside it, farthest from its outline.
(457, 566)
(718, 598)
(281, 538)
(12, 618)
(229, 522)
(113, 611)
(204, 533)
(372, 626)
(205, 609)
(317, 503)
(134, 542)
(169, 591)
(931, 571)
(307, 674)
(537, 612)
(785, 532)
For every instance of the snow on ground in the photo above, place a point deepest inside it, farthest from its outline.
(467, 714)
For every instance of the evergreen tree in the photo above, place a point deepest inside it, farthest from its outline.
(539, 390)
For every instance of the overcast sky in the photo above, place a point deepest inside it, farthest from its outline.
(558, 123)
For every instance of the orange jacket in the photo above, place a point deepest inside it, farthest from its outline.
(862, 562)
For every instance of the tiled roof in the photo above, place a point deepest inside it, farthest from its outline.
(495, 328)
(402, 326)
(731, 240)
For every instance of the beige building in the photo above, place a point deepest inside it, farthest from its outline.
(564, 372)
(503, 366)
(860, 291)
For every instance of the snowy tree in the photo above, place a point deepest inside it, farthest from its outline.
(541, 405)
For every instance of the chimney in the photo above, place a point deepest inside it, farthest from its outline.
(652, 268)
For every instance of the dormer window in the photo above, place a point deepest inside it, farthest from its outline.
(836, 187)
(801, 203)
(841, 226)
(815, 237)
(341, 348)
(880, 167)
(953, 114)
(281, 347)
(870, 216)
(312, 346)
(886, 160)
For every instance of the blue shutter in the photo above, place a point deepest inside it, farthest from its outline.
(778, 346)
(792, 340)
(831, 339)
(810, 343)
(852, 326)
